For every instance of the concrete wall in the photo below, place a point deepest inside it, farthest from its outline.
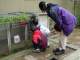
(21, 5)
(17, 5)
(68, 4)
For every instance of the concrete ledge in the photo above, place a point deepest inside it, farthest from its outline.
(73, 56)
(12, 56)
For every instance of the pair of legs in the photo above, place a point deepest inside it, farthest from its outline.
(37, 46)
(63, 41)
(62, 44)
(64, 33)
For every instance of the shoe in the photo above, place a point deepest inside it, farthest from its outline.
(36, 50)
(56, 50)
(59, 52)
(53, 59)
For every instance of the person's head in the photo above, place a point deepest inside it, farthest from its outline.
(43, 6)
(34, 20)
(33, 17)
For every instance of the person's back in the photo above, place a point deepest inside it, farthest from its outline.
(67, 17)
(36, 35)
(65, 20)
(68, 21)
(63, 16)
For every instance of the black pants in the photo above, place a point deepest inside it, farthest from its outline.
(38, 45)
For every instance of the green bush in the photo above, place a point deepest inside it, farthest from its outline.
(13, 18)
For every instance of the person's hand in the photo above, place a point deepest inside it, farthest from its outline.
(57, 28)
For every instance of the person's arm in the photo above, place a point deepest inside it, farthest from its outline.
(56, 27)
(55, 12)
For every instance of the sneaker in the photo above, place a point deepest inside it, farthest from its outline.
(59, 52)
(56, 50)
(36, 50)
(53, 58)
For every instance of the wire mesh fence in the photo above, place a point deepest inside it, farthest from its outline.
(14, 36)
(18, 33)
(3, 39)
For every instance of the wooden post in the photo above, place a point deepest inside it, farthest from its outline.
(9, 37)
(26, 32)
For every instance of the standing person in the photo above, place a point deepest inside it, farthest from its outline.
(65, 23)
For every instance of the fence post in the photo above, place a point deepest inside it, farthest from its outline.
(9, 37)
(26, 32)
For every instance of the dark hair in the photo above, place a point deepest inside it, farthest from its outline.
(33, 17)
(42, 6)
(34, 20)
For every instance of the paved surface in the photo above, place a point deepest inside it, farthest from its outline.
(47, 55)
(29, 55)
